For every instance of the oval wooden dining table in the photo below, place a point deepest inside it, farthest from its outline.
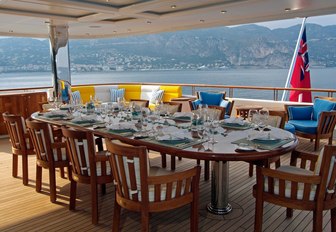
(221, 153)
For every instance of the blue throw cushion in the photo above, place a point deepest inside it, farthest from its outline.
(211, 99)
(117, 93)
(300, 112)
(227, 105)
(195, 104)
(76, 98)
(321, 105)
(306, 126)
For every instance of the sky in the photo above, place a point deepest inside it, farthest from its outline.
(321, 20)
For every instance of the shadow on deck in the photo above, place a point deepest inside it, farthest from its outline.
(22, 209)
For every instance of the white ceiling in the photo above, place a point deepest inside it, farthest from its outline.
(115, 18)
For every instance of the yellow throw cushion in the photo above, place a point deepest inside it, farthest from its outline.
(171, 92)
(85, 92)
(131, 91)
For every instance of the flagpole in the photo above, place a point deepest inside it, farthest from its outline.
(291, 69)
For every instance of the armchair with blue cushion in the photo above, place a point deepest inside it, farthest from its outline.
(313, 122)
(213, 99)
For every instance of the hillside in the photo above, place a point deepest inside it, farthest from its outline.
(247, 46)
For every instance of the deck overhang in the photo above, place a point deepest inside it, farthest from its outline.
(117, 18)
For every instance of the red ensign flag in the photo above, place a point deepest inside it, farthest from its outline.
(301, 75)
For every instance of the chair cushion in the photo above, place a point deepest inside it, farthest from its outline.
(321, 105)
(131, 91)
(117, 93)
(195, 104)
(171, 92)
(289, 127)
(227, 105)
(211, 98)
(293, 170)
(86, 92)
(300, 112)
(156, 96)
(103, 92)
(305, 126)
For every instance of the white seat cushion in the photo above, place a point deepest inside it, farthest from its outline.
(293, 170)
(102, 93)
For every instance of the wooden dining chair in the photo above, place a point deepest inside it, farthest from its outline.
(50, 154)
(140, 102)
(173, 107)
(306, 185)
(148, 189)
(21, 143)
(87, 166)
(276, 118)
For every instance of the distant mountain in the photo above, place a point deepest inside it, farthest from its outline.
(248, 46)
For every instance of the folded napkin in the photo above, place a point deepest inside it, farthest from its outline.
(166, 121)
(85, 119)
(55, 114)
(172, 140)
(238, 121)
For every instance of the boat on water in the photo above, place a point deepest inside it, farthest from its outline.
(61, 20)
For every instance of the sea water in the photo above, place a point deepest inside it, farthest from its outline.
(320, 78)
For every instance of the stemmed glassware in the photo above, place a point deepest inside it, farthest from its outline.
(51, 101)
(263, 118)
(253, 116)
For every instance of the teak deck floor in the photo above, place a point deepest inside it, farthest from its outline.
(23, 209)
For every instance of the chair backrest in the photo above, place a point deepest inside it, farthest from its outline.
(44, 142)
(217, 111)
(326, 98)
(211, 97)
(140, 102)
(277, 119)
(327, 122)
(173, 107)
(18, 134)
(81, 150)
(327, 171)
(131, 171)
(322, 105)
(229, 107)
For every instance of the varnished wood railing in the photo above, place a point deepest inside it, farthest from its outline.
(197, 87)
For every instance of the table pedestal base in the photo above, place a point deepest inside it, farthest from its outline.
(219, 188)
(219, 211)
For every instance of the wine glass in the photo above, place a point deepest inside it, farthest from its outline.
(213, 129)
(263, 118)
(51, 101)
(253, 117)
